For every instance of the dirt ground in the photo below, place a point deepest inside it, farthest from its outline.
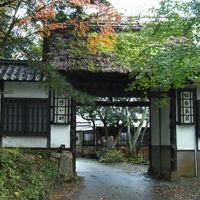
(66, 191)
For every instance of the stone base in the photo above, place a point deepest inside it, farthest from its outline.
(164, 174)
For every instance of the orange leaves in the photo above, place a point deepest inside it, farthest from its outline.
(24, 21)
(79, 2)
(43, 20)
(107, 29)
(103, 42)
(54, 26)
(43, 13)
(46, 12)
(81, 29)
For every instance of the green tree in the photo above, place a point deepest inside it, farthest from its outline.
(165, 52)
(119, 117)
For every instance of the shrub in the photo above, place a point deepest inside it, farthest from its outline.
(25, 176)
(112, 156)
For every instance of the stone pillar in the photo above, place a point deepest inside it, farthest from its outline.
(66, 165)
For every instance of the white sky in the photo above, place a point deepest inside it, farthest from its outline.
(134, 7)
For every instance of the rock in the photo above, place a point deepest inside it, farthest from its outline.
(66, 166)
(55, 155)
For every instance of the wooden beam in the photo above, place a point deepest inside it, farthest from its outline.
(123, 103)
(73, 133)
(173, 130)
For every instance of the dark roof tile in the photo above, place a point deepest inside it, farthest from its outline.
(18, 70)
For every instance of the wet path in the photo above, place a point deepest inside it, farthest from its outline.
(113, 182)
(124, 182)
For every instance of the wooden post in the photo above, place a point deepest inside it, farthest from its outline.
(73, 133)
(173, 130)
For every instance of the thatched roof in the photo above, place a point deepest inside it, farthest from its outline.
(67, 60)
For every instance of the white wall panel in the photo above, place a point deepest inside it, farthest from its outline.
(24, 90)
(198, 143)
(185, 137)
(154, 121)
(165, 125)
(198, 93)
(60, 134)
(160, 130)
(10, 141)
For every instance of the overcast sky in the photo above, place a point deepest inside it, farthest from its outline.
(134, 7)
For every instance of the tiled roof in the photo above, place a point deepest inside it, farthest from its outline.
(19, 71)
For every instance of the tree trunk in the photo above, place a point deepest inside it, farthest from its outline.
(134, 138)
(117, 136)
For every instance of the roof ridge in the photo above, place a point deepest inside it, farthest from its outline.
(15, 62)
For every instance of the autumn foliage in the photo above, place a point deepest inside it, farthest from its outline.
(43, 19)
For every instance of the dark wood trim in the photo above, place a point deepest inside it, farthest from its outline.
(73, 133)
(197, 118)
(185, 150)
(49, 122)
(40, 148)
(150, 142)
(2, 90)
(123, 103)
(162, 146)
(173, 142)
(196, 163)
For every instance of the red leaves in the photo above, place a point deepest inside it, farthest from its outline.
(79, 2)
(82, 29)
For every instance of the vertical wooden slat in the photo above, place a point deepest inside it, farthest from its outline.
(73, 133)
(173, 130)
(48, 119)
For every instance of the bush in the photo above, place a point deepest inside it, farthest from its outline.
(25, 176)
(112, 156)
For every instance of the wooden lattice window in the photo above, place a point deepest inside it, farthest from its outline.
(26, 117)
(186, 106)
(60, 109)
(123, 140)
(88, 139)
(198, 118)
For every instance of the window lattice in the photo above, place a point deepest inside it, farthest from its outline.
(24, 116)
(186, 107)
(60, 109)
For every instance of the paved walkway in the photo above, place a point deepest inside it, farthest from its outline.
(129, 182)
(113, 182)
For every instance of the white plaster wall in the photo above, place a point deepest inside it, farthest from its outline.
(198, 93)
(165, 128)
(60, 134)
(154, 121)
(198, 143)
(24, 90)
(10, 141)
(185, 137)
(158, 138)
